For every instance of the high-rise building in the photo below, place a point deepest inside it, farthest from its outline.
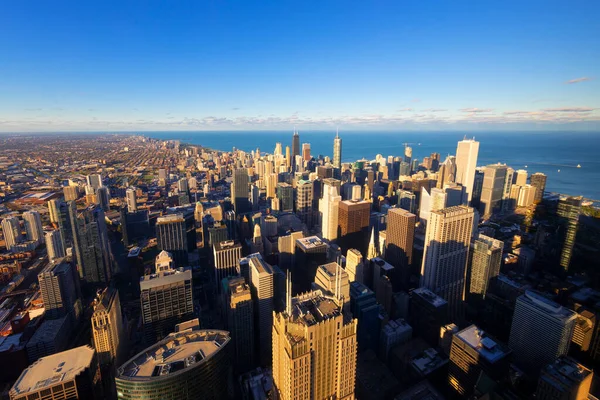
(520, 177)
(538, 180)
(71, 374)
(466, 162)
(131, 196)
(428, 313)
(107, 327)
(492, 191)
(94, 180)
(568, 213)
(227, 255)
(407, 155)
(103, 198)
(472, 354)
(295, 148)
(366, 310)
(445, 255)
(407, 200)
(541, 331)
(328, 209)
(285, 195)
(188, 364)
(306, 152)
(304, 202)
(286, 245)
(171, 236)
(54, 245)
(262, 287)
(337, 151)
(54, 210)
(240, 322)
(271, 185)
(33, 226)
(486, 260)
(11, 228)
(59, 286)
(354, 265)
(314, 349)
(333, 281)
(71, 192)
(400, 235)
(183, 186)
(564, 379)
(353, 223)
(166, 298)
(239, 191)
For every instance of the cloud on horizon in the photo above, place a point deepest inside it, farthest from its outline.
(578, 80)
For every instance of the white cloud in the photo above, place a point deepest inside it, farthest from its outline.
(578, 80)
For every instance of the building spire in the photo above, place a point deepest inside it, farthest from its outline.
(372, 251)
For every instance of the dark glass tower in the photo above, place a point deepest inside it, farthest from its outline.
(568, 214)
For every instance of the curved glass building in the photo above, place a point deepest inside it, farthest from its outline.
(192, 364)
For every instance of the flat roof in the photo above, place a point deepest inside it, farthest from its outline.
(165, 278)
(165, 219)
(487, 347)
(564, 371)
(430, 296)
(547, 305)
(174, 354)
(51, 370)
(310, 242)
(314, 307)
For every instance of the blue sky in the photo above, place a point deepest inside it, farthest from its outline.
(176, 65)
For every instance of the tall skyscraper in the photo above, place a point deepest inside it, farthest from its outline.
(188, 364)
(399, 239)
(285, 195)
(328, 209)
(171, 236)
(428, 313)
(314, 349)
(54, 210)
(103, 197)
(492, 191)
(486, 260)
(306, 156)
(71, 192)
(407, 200)
(520, 177)
(353, 224)
(33, 226)
(239, 191)
(541, 331)
(407, 155)
(54, 245)
(337, 151)
(473, 353)
(333, 281)
(262, 287)
(240, 322)
(166, 299)
(295, 148)
(304, 202)
(107, 327)
(466, 162)
(59, 286)
(94, 180)
(445, 255)
(131, 197)
(538, 180)
(354, 265)
(271, 185)
(568, 213)
(71, 374)
(227, 255)
(11, 229)
(564, 379)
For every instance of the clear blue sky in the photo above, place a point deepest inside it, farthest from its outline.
(176, 65)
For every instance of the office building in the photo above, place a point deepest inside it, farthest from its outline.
(333, 281)
(400, 235)
(314, 349)
(227, 255)
(564, 379)
(166, 298)
(328, 209)
(71, 192)
(354, 265)
(33, 226)
(337, 151)
(240, 322)
(472, 354)
(285, 195)
(366, 310)
(189, 364)
(59, 287)
(11, 228)
(526, 195)
(520, 177)
(353, 223)
(466, 162)
(486, 260)
(568, 213)
(71, 374)
(395, 332)
(54, 245)
(271, 180)
(94, 180)
(131, 197)
(182, 186)
(407, 200)
(507, 204)
(239, 191)
(492, 191)
(310, 252)
(541, 331)
(162, 177)
(445, 254)
(103, 198)
(262, 288)
(431, 200)
(286, 245)
(538, 181)
(304, 202)
(428, 313)
(306, 152)
(51, 337)
(295, 148)
(107, 327)
(171, 237)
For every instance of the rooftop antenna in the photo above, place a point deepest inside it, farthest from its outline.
(337, 132)
(288, 293)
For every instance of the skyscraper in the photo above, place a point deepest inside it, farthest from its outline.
(285, 195)
(354, 265)
(541, 331)
(353, 224)
(538, 180)
(306, 152)
(328, 209)
(171, 236)
(131, 197)
(239, 191)
(94, 180)
(304, 202)
(33, 226)
(295, 148)
(103, 197)
(71, 192)
(568, 212)
(54, 210)
(240, 322)
(445, 255)
(188, 364)
(262, 287)
(59, 287)
(166, 299)
(11, 228)
(564, 379)
(227, 255)
(486, 260)
(271, 185)
(520, 177)
(314, 349)
(492, 191)
(107, 327)
(400, 236)
(337, 151)
(54, 245)
(466, 162)
(428, 313)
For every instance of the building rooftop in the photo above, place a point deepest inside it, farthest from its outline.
(547, 305)
(47, 331)
(420, 391)
(226, 245)
(165, 277)
(167, 219)
(428, 361)
(175, 353)
(431, 297)
(51, 370)
(313, 307)
(487, 347)
(310, 242)
(565, 371)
